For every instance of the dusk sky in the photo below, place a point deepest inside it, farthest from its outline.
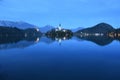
(70, 13)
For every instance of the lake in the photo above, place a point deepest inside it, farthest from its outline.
(72, 59)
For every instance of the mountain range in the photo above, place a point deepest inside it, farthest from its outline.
(20, 24)
(76, 29)
(99, 28)
(25, 25)
(46, 28)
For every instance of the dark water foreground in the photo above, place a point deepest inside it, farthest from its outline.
(42, 58)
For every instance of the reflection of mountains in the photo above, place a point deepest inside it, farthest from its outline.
(21, 44)
(9, 43)
(46, 40)
(99, 40)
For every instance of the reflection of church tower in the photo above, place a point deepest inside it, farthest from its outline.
(59, 41)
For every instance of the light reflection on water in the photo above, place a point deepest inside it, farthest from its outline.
(86, 58)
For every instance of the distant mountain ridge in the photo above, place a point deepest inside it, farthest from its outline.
(46, 28)
(20, 24)
(99, 28)
(76, 29)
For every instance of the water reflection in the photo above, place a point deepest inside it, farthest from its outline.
(3, 74)
(8, 42)
(22, 42)
(99, 40)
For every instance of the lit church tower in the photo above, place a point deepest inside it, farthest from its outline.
(59, 28)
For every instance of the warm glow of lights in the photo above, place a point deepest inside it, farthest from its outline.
(59, 28)
(37, 40)
(97, 34)
(25, 35)
(59, 40)
(111, 34)
(56, 39)
(101, 34)
(37, 29)
(64, 30)
(64, 38)
(118, 34)
(56, 29)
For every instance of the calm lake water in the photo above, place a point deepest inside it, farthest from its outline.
(46, 59)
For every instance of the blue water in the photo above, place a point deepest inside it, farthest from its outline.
(68, 60)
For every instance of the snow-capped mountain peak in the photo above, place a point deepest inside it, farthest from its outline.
(20, 24)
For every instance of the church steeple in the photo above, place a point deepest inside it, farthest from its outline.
(59, 25)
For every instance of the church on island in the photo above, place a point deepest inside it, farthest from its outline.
(59, 28)
(59, 33)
